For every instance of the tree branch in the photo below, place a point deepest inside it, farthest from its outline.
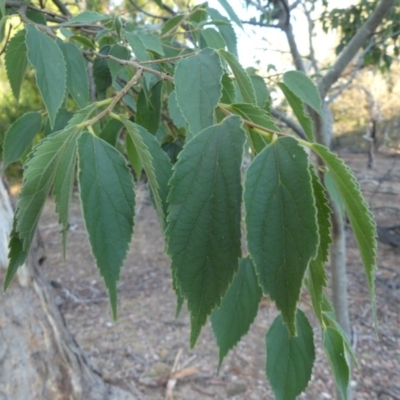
(62, 7)
(354, 45)
(288, 122)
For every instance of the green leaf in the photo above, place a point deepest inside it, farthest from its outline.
(155, 162)
(101, 73)
(317, 273)
(238, 309)
(262, 93)
(171, 24)
(50, 76)
(281, 221)
(228, 90)
(303, 87)
(334, 193)
(86, 17)
(16, 61)
(108, 204)
(138, 46)
(77, 78)
(175, 112)
(213, 38)
(120, 52)
(336, 353)
(254, 114)
(242, 78)
(203, 233)
(36, 16)
(231, 13)
(290, 358)
(225, 28)
(19, 137)
(149, 108)
(40, 170)
(62, 119)
(111, 131)
(134, 158)
(2, 8)
(298, 108)
(64, 181)
(84, 41)
(359, 214)
(16, 255)
(198, 88)
(150, 42)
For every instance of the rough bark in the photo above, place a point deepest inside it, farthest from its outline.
(39, 358)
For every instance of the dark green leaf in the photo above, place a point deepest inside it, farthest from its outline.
(171, 24)
(77, 78)
(16, 255)
(298, 108)
(228, 90)
(108, 204)
(175, 112)
(262, 93)
(155, 162)
(62, 119)
(111, 131)
(203, 233)
(134, 158)
(334, 193)
(138, 46)
(50, 76)
(198, 88)
(16, 61)
(359, 214)
(238, 308)
(84, 41)
(36, 16)
(317, 277)
(335, 350)
(303, 87)
(101, 73)
(120, 52)
(149, 108)
(242, 78)
(281, 221)
(19, 137)
(290, 358)
(40, 170)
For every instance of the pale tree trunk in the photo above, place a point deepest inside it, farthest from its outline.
(39, 358)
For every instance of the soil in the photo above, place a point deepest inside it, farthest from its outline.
(147, 350)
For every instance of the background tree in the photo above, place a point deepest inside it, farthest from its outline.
(115, 91)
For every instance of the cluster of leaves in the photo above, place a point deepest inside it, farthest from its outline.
(193, 92)
(377, 50)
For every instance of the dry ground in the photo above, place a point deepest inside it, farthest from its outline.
(139, 352)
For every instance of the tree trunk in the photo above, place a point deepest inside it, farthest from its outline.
(39, 358)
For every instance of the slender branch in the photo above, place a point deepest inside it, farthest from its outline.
(116, 99)
(354, 45)
(149, 14)
(288, 122)
(262, 24)
(62, 7)
(169, 59)
(313, 60)
(136, 64)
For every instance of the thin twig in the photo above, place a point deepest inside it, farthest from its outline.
(116, 99)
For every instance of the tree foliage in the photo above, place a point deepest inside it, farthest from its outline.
(172, 100)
